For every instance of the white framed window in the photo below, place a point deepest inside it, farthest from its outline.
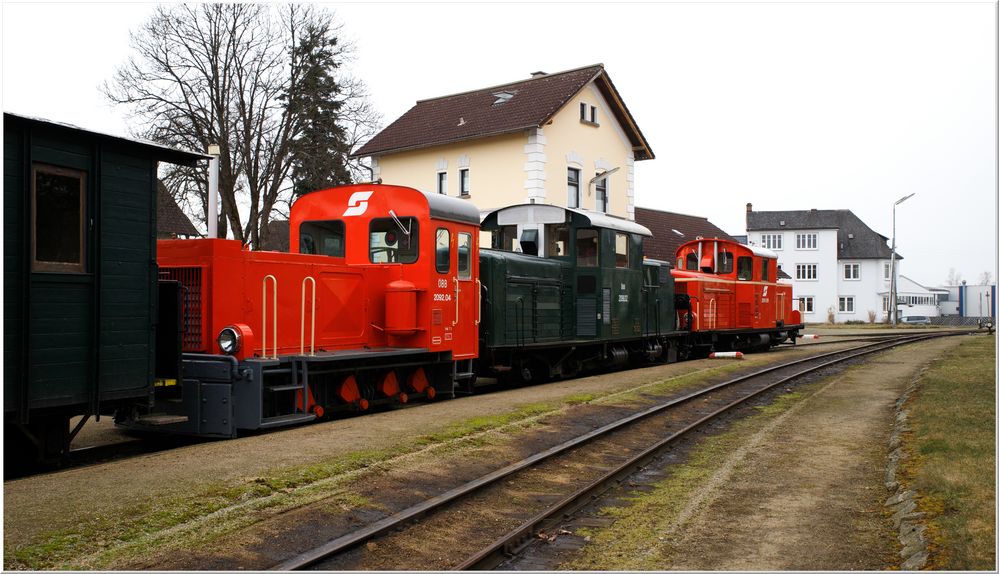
(846, 304)
(463, 183)
(884, 304)
(588, 114)
(573, 185)
(806, 240)
(807, 304)
(887, 271)
(442, 182)
(806, 272)
(772, 241)
(851, 271)
(601, 187)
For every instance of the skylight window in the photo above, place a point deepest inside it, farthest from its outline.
(678, 233)
(504, 97)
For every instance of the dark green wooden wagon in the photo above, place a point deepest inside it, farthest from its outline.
(80, 277)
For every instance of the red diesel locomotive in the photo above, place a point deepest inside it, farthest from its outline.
(378, 302)
(730, 296)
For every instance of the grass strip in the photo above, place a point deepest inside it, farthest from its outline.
(951, 462)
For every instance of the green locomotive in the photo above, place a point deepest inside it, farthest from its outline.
(567, 291)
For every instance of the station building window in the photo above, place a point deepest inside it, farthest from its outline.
(806, 271)
(807, 304)
(773, 241)
(851, 271)
(846, 304)
(807, 240)
(573, 187)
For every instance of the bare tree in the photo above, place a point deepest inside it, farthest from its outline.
(953, 277)
(229, 74)
(985, 278)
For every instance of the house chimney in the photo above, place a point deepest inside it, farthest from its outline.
(749, 208)
(538, 74)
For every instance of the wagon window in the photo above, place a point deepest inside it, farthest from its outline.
(443, 250)
(464, 256)
(587, 247)
(745, 268)
(558, 240)
(692, 261)
(725, 260)
(57, 201)
(620, 249)
(321, 238)
(391, 242)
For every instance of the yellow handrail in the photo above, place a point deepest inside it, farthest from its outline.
(264, 311)
(312, 337)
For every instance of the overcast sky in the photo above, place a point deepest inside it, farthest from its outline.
(784, 105)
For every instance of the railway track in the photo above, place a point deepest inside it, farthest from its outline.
(515, 506)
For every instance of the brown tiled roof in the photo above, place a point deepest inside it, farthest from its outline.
(479, 113)
(170, 219)
(671, 230)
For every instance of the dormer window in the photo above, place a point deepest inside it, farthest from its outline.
(504, 97)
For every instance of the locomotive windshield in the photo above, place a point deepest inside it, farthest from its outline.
(321, 238)
(394, 242)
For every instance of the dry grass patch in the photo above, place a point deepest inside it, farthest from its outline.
(952, 455)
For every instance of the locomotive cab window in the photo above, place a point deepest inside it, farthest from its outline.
(57, 205)
(587, 247)
(442, 252)
(745, 269)
(505, 238)
(725, 260)
(692, 261)
(464, 256)
(321, 238)
(766, 269)
(394, 240)
(557, 236)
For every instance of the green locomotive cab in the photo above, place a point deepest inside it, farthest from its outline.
(567, 290)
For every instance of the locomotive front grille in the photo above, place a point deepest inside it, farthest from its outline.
(190, 279)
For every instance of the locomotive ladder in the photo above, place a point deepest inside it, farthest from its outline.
(296, 367)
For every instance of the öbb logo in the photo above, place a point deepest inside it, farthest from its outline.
(358, 203)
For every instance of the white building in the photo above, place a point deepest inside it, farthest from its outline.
(839, 266)
(968, 300)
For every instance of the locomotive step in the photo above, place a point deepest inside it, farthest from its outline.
(280, 388)
(282, 420)
(161, 419)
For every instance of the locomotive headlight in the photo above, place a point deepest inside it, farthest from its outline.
(229, 339)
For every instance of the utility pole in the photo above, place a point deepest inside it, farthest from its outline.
(893, 289)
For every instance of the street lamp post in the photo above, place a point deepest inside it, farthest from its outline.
(893, 286)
